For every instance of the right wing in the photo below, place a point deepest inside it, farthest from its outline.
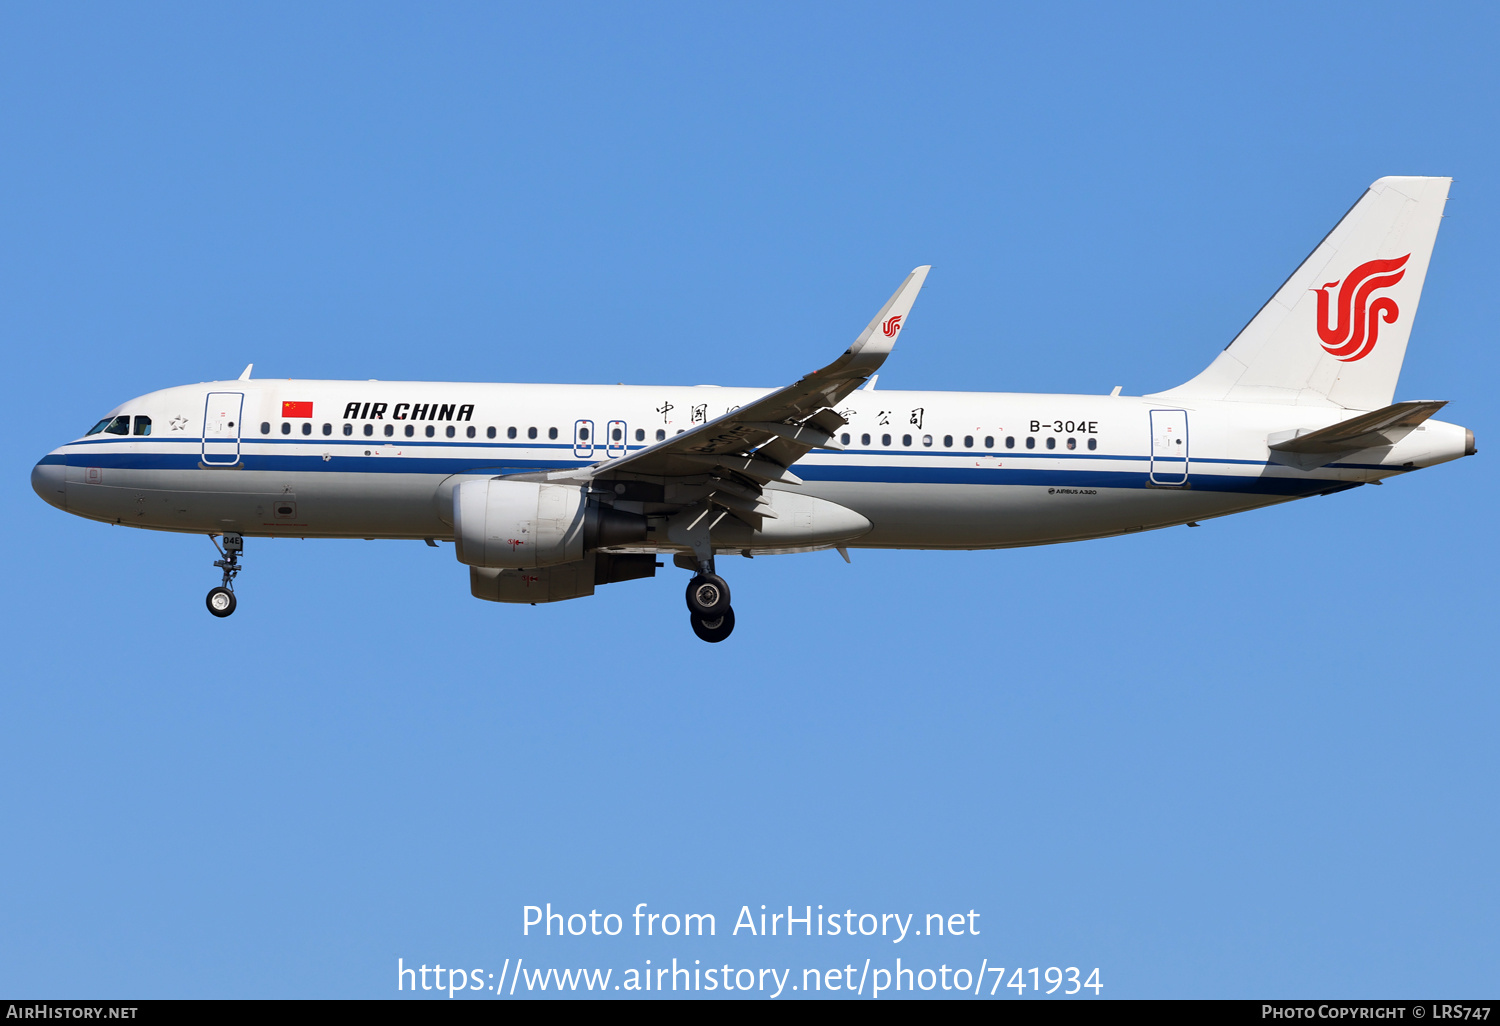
(760, 441)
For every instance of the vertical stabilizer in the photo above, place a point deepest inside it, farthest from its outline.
(1335, 333)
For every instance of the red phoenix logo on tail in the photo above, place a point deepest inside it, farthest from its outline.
(1353, 338)
(891, 326)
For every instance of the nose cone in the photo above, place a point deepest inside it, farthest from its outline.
(48, 479)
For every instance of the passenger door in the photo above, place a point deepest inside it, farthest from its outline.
(221, 428)
(1169, 447)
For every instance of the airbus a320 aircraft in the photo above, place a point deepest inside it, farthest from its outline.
(548, 491)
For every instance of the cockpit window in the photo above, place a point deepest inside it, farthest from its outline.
(143, 425)
(99, 427)
(118, 426)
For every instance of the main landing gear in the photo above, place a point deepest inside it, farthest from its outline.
(221, 599)
(708, 605)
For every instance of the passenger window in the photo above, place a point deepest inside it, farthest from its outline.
(348, 429)
(1051, 442)
(286, 427)
(118, 426)
(661, 435)
(640, 434)
(1072, 443)
(469, 431)
(410, 430)
(552, 433)
(1030, 442)
(906, 440)
(390, 429)
(489, 432)
(927, 441)
(583, 434)
(947, 441)
(864, 439)
(885, 439)
(989, 441)
(1093, 443)
(531, 432)
(510, 432)
(328, 429)
(431, 430)
(265, 427)
(968, 441)
(844, 438)
(1010, 441)
(369, 430)
(450, 432)
(616, 435)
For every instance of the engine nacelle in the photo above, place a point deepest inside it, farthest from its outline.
(528, 524)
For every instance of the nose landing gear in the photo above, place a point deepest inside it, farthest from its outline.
(708, 605)
(221, 599)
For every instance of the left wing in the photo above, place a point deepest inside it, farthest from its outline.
(759, 442)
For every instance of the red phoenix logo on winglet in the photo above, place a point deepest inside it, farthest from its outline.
(891, 326)
(1353, 338)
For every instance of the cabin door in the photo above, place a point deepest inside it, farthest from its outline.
(221, 428)
(1169, 447)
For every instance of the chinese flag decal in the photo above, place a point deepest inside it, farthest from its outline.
(296, 409)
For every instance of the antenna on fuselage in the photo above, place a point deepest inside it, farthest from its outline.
(245, 374)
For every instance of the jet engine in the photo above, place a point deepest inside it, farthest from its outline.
(526, 524)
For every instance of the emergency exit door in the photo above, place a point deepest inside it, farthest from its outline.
(221, 428)
(1169, 447)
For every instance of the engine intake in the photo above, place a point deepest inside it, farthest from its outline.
(526, 524)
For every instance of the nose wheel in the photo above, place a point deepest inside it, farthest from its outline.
(708, 606)
(220, 600)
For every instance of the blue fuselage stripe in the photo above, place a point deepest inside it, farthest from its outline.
(347, 458)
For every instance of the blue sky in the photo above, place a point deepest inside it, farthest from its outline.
(1251, 759)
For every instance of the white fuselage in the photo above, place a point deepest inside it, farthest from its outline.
(958, 470)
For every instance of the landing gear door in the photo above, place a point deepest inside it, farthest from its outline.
(221, 428)
(1169, 447)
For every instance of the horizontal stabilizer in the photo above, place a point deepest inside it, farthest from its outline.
(1368, 430)
(1310, 449)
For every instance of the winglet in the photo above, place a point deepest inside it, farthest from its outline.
(245, 374)
(879, 337)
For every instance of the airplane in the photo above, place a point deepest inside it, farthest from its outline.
(550, 491)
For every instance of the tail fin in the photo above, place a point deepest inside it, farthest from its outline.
(1335, 333)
